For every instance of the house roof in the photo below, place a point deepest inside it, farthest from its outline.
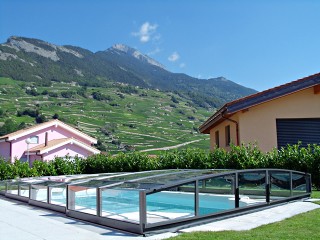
(232, 107)
(37, 127)
(56, 143)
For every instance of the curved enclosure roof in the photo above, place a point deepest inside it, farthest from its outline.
(141, 202)
(150, 180)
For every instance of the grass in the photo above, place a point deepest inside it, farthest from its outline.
(160, 122)
(301, 226)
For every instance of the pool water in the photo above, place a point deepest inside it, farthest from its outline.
(124, 201)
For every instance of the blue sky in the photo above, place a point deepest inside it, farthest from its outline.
(258, 44)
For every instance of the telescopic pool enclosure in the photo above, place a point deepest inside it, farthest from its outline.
(146, 201)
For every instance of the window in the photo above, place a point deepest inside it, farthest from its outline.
(217, 139)
(34, 140)
(228, 139)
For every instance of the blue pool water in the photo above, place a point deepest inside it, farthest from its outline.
(124, 201)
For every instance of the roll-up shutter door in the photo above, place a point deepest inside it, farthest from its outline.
(291, 131)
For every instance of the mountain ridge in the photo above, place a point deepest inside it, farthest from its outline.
(34, 60)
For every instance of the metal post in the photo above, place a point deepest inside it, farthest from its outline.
(267, 186)
(236, 191)
(99, 202)
(49, 189)
(142, 210)
(291, 183)
(308, 183)
(196, 198)
(30, 197)
(19, 189)
(70, 199)
(32, 193)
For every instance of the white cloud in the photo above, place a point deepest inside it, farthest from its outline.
(146, 31)
(173, 57)
(155, 51)
(182, 65)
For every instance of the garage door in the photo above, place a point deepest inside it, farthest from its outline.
(291, 131)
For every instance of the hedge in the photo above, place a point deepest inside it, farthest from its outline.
(294, 157)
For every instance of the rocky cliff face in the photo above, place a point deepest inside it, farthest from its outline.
(121, 48)
(39, 47)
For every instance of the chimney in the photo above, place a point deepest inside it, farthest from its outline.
(46, 140)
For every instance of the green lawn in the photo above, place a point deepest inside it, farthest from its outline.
(302, 226)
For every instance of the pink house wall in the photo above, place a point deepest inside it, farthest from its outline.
(5, 150)
(70, 150)
(19, 146)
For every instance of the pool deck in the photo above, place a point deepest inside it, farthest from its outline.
(22, 221)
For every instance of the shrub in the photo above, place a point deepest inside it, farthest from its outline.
(67, 94)
(294, 157)
(41, 118)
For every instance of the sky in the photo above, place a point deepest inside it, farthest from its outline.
(258, 44)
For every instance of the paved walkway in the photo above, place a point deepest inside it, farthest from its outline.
(21, 221)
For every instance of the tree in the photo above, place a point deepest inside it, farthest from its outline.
(55, 116)
(82, 92)
(2, 113)
(41, 118)
(32, 92)
(10, 126)
(67, 94)
(174, 99)
(100, 146)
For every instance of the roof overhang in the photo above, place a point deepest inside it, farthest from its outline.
(39, 127)
(235, 106)
(47, 149)
(215, 119)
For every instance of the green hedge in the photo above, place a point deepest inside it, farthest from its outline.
(294, 157)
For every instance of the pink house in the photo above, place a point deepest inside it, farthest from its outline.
(46, 141)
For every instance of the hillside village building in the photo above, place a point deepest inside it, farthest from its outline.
(46, 141)
(273, 118)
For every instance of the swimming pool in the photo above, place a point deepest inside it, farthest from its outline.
(146, 201)
(128, 201)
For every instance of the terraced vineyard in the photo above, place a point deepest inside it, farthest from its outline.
(139, 119)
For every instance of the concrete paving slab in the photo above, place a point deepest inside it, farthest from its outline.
(21, 221)
(256, 219)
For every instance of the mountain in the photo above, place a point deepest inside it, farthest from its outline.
(34, 60)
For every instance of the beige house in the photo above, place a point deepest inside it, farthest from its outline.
(273, 118)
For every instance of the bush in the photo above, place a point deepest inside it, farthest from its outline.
(10, 126)
(55, 116)
(67, 94)
(41, 118)
(294, 157)
(32, 92)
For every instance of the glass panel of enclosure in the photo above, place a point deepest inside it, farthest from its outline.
(13, 187)
(299, 184)
(252, 188)
(171, 178)
(82, 199)
(58, 195)
(24, 189)
(121, 203)
(143, 175)
(216, 194)
(3, 187)
(39, 192)
(280, 185)
(171, 204)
